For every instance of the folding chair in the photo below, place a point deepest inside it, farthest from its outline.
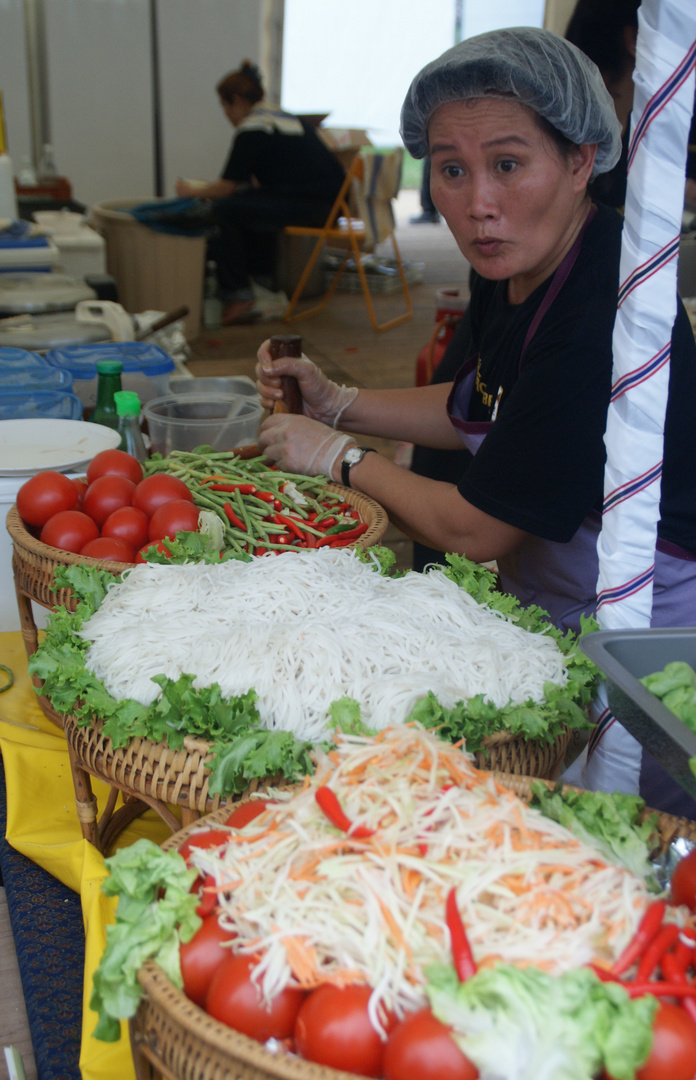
(371, 183)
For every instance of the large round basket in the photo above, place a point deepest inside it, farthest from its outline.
(174, 1038)
(34, 565)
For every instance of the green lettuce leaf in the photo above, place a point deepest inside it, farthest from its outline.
(255, 755)
(522, 1024)
(610, 822)
(155, 912)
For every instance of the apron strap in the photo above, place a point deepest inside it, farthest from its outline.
(557, 282)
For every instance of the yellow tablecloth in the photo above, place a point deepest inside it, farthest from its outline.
(42, 824)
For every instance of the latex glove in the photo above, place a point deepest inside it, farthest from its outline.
(322, 399)
(301, 445)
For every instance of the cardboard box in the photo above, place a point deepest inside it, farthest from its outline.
(345, 142)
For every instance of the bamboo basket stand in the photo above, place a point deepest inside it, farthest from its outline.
(174, 1039)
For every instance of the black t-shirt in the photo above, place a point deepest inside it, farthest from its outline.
(541, 466)
(289, 164)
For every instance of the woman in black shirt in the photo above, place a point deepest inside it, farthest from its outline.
(278, 173)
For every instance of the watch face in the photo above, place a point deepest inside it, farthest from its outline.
(353, 456)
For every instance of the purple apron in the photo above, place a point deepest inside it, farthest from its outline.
(562, 578)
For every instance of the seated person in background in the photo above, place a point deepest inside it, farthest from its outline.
(278, 173)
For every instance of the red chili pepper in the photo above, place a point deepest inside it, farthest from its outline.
(462, 956)
(260, 551)
(264, 496)
(663, 941)
(660, 989)
(208, 899)
(684, 949)
(328, 801)
(648, 927)
(280, 519)
(673, 972)
(327, 523)
(603, 975)
(233, 519)
(345, 537)
(243, 489)
(310, 540)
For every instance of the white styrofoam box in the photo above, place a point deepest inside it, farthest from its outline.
(80, 253)
(40, 259)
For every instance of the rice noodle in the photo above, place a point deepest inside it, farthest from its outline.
(307, 628)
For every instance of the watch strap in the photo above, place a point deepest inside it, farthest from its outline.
(346, 465)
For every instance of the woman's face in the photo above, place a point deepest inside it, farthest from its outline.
(235, 110)
(512, 202)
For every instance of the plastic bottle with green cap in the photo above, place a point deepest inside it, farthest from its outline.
(128, 409)
(108, 384)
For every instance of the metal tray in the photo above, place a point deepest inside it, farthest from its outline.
(625, 656)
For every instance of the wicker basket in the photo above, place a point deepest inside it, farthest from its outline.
(173, 1038)
(152, 775)
(513, 754)
(34, 565)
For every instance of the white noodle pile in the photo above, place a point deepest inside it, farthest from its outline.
(306, 628)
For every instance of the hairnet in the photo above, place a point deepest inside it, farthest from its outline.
(538, 68)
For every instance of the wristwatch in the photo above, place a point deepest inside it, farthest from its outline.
(352, 456)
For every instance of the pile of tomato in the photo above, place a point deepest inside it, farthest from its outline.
(329, 1025)
(114, 512)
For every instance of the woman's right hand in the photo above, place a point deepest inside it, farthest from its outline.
(322, 399)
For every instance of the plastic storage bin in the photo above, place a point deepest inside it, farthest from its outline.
(146, 367)
(152, 270)
(185, 421)
(23, 370)
(29, 403)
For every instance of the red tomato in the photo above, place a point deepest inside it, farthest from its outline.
(334, 1029)
(683, 884)
(157, 489)
(673, 1053)
(80, 485)
(114, 463)
(421, 1046)
(69, 530)
(207, 838)
(201, 956)
(44, 495)
(236, 1000)
(158, 546)
(106, 494)
(173, 517)
(129, 524)
(109, 547)
(246, 812)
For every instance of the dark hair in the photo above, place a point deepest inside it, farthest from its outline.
(563, 144)
(597, 27)
(245, 83)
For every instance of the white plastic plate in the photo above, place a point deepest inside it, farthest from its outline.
(30, 446)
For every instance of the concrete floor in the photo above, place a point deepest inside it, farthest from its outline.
(343, 342)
